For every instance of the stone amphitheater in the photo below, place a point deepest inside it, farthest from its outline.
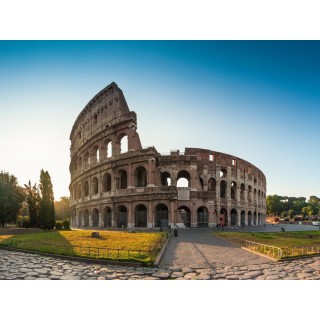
(116, 183)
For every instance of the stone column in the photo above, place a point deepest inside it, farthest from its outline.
(130, 216)
(150, 182)
(172, 214)
(77, 222)
(151, 218)
(193, 215)
(90, 220)
(101, 219)
(113, 219)
(130, 177)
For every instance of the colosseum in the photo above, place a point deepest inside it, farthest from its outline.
(117, 183)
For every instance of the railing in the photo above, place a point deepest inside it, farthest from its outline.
(148, 256)
(277, 252)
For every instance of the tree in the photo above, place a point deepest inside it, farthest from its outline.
(62, 208)
(11, 198)
(275, 205)
(46, 212)
(33, 201)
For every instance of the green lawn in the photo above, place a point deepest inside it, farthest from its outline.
(112, 245)
(292, 243)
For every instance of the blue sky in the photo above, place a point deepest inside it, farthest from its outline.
(258, 100)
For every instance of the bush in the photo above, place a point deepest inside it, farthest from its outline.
(23, 222)
(58, 225)
(66, 224)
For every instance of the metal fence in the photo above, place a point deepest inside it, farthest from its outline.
(277, 252)
(88, 252)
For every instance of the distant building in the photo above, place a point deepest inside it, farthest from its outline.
(117, 183)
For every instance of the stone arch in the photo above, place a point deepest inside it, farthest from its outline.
(79, 191)
(140, 216)
(212, 184)
(233, 190)
(107, 217)
(243, 218)
(223, 219)
(249, 218)
(183, 179)
(122, 217)
(165, 179)
(95, 217)
(106, 182)
(185, 215)
(86, 188)
(202, 217)
(140, 177)
(234, 217)
(123, 179)
(108, 148)
(95, 185)
(85, 218)
(95, 154)
(79, 164)
(86, 159)
(259, 219)
(223, 173)
(162, 215)
(223, 189)
(123, 143)
(242, 191)
(250, 194)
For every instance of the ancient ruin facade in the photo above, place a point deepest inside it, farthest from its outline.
(116, 183)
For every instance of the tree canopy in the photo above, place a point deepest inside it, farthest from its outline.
(11, 198)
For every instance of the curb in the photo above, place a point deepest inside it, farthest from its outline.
(162, 251)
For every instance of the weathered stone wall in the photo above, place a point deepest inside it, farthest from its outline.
(113, 186)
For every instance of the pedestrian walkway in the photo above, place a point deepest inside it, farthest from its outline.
(200, 248)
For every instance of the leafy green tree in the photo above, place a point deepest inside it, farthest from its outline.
(62, 208)
(275, 205)
(47, 211)
(33, 201)
(11, 198)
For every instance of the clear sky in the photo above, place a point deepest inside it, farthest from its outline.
(257, 100)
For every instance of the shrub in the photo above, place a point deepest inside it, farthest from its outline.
(58, 225)
(23, 222)
(66, 224)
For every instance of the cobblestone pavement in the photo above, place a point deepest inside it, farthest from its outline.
(26, 266)
(194, 254)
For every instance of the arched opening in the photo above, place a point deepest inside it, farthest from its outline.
(140, 216)
(107, 217)
(86, 218)
(95, 218)
(79, 191)
(202, 217)
(123, 179)
(234, 217)
(95, 185)
(223, 173)
(233, 190)
(242, 191)
(124, 144)
(106, 182)
(122, 217)
(201, 182)
(183, 179)
(255, 196)
(185, 215)
(86, 188)
(162, 215)
(96, 154)
(212, 184)
(86, 159)
(255, 218)
(249, 218)
(223, 220)
(108, 149)
(223, 189)
(165, 179)
(140, 177)
(243, 219)
(259, 219)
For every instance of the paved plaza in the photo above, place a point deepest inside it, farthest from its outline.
(194, 254)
